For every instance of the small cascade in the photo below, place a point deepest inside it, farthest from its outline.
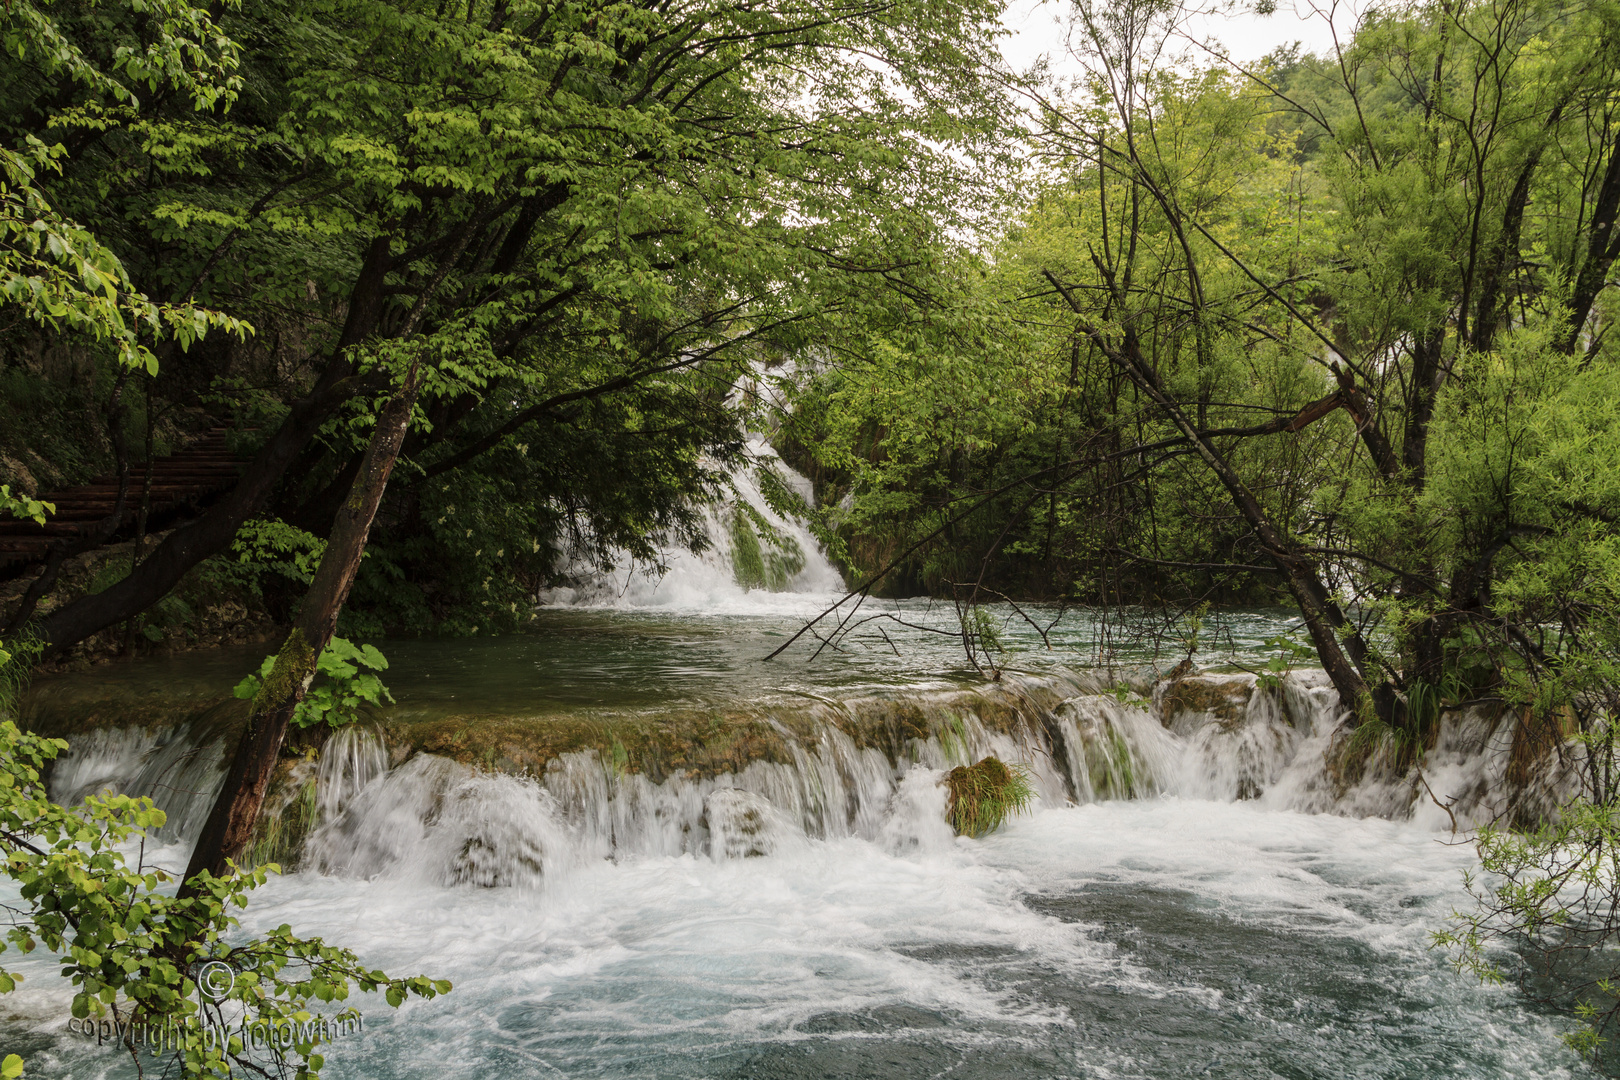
(867, 768)
(177, 768)
(434, 818)
(753, 549)
(182, 768)
(1116, 751)
(352, 758)
(916, 814)
(1244, 758)
(743, 825)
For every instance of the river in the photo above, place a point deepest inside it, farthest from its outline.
(741, 868)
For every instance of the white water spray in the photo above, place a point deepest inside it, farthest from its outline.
(716, 580)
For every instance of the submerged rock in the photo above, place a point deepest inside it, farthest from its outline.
(742, 825)
(1189, 702)
(493, 862)
(290, 811)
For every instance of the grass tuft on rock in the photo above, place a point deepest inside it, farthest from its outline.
(983, 795)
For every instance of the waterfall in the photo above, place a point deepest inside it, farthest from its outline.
(753, 551)
(444, 821)
(179, 767)
(867, 767)
(352, 758)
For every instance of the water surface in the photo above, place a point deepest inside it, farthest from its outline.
(1163, 937)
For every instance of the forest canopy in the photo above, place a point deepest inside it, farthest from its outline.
(1329, 331)
(1326, 331)
(589, 220)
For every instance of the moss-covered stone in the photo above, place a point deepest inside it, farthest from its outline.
(698, 743)
(890, 724)
(984, 794)
(288, 815)
(1226, 699)
(762, 562)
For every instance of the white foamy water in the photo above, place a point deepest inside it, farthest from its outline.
(817, 917)
(1195, 891)
(1167, 937)
(708, 581)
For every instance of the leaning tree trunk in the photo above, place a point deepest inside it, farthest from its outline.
(230, 823)
(1343, 652)
(191, 543)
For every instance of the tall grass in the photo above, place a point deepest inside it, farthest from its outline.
(983, 795)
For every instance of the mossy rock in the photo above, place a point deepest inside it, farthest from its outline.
(762, 562)
(288, 815)
(1225, 699)
(984, 794)
(697, 742)
(699, 745)
(890, 724)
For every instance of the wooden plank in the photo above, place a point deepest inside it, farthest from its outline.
(111, 493)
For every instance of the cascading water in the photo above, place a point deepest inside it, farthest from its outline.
(1173, 906)
(432, 818)
(752, 549)
(640, 852)
(172, 766)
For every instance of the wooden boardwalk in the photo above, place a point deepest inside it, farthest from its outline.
(181, 484)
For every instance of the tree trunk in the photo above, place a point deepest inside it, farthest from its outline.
(1602, 247)
(230, 823)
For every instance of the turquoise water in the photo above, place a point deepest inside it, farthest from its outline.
(653, 659)
(1160, 939)
(1164, 937)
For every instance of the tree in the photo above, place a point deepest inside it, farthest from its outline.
(639, 203)
(133, 952)
(1346, 326)
(556, 205)
(1363, 304)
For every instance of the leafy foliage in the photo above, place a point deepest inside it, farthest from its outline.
(1545, 902)
(275, 546)
(342, 685)
(60, 274)
(601, 223)
(1332, 329)
(131, 949)
(1289, 653)
(24, 506)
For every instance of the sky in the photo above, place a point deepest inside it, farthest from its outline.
(1037, 28)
